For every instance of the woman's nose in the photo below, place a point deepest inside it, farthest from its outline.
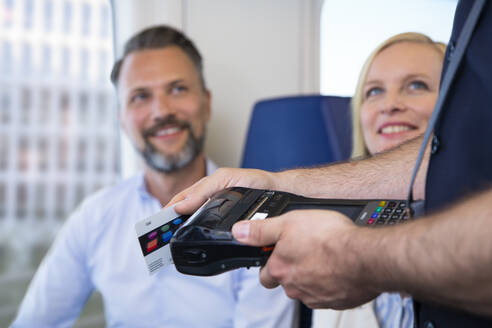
(392, 103)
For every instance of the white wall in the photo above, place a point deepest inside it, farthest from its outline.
(252, 49)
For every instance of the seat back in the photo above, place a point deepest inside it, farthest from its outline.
(298, 131)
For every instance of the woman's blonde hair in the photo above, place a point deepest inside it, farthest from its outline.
(358, 144)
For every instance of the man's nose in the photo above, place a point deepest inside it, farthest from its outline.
(161, 106)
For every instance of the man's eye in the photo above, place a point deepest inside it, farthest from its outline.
(373, 92)
(418, 85)
(178, 89)
(138, 97)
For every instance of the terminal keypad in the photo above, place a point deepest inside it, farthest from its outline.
(388, 212)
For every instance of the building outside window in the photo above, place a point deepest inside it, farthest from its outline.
(58, 130)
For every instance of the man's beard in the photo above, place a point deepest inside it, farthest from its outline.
(170, 163)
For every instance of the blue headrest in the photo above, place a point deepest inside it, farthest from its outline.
(298, 132)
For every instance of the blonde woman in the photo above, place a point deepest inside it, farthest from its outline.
(393, 101)
(403, 72)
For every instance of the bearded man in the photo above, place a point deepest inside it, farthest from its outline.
(164, 109)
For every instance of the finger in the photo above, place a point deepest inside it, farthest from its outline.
(189, 204)
(267, 280)
(178, 198)
(193, 197)
(258, 233)
(190, 199)
(184, 203)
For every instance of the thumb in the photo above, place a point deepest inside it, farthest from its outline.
(258, 233)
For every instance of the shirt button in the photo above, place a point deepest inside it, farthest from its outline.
(429, 324)
(435, 145)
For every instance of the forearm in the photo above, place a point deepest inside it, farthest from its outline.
(445, 258)
(385, 175)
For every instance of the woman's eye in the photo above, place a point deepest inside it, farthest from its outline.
(418, 85)
(373, 92)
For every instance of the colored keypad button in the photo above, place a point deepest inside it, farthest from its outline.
(382, 203)
(177, 221)
(151, 245)
(370, 221)
(167, 236)
(374, 215)
(165, 228)
(379, 209)
(152, 234)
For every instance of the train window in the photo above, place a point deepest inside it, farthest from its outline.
(54, 88)
(350, 30)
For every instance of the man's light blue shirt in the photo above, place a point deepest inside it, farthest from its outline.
(394, 311)
(97, 249)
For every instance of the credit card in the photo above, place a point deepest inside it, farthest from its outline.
(154, 234)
